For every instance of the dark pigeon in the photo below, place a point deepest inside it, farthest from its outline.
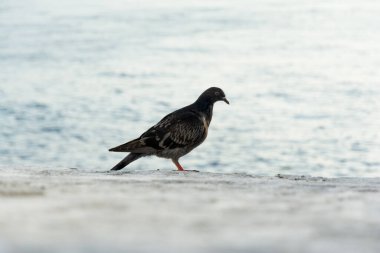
(176, 134)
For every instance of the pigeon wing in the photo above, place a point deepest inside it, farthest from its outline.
(176, 131)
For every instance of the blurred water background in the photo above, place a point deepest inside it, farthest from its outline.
(79, 77)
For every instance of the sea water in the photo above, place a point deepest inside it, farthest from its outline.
(302, 77)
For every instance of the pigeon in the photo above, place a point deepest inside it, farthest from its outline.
(176, 134)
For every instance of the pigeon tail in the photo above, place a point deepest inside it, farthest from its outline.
(127, 147)
(127, 160)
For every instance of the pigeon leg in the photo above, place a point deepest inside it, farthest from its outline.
(179, 167)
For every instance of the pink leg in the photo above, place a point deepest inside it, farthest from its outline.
(180, 168)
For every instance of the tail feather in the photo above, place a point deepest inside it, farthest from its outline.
(135, 146)
(127, 160)
(127, 147)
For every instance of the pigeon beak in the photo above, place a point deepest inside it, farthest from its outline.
(225, 100)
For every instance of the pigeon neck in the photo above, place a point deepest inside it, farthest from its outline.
(205, 107)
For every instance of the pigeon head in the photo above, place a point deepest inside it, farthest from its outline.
(212, 95)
